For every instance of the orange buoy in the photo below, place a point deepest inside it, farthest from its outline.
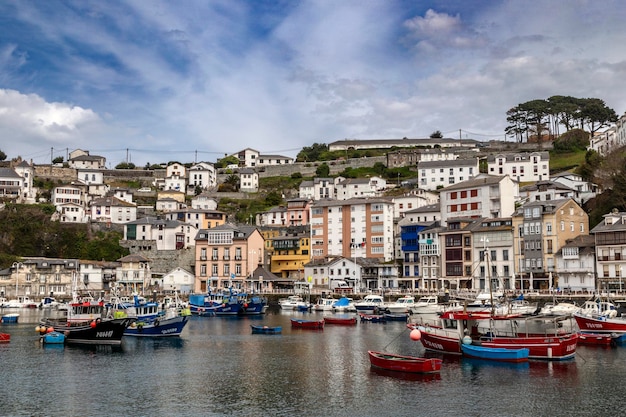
(415, 334)
(49, 329)
(92, 324)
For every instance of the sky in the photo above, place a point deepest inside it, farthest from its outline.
(190, 81)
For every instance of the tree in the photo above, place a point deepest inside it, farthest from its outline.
(58, 160)
(273, 199)
(436, 135)
(596, 115)
(227, 160)
(125, 165)
(3, 156)
(323, 170)
(312, 153)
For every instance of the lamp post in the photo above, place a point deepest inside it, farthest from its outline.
(17, 266)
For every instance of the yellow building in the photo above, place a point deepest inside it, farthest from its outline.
(288, 249)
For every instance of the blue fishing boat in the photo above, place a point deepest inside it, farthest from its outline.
(252, 306)
(53, 338)
(495, 354)
(151, 320)
(396, 317)
(220, 304)
(266, 329)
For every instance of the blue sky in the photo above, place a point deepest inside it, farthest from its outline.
(159, 81)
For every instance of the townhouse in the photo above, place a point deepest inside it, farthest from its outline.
(438, 174)
(522, 167)
(610, 241)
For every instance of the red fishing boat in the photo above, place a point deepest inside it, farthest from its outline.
(596, 339)
(543, 337)
(5, 338)
(602, 324)
(344, 321)
(307, 324)
(399, 363)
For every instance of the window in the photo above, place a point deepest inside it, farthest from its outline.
(571, 226)
(505, 256)
(562, 226)
(582, 228)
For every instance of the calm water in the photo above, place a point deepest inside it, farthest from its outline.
(219, 368)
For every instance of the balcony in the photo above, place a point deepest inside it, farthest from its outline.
(226, 258)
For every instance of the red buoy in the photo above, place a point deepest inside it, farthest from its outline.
(415, 334)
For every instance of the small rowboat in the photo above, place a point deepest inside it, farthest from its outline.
(266, 329)
(399, 363)
(495, 354)
(596, 339)
(10, 318)
(53, 338)
(374, 318)
(396, 317)
(345, 321)
(5, 338)
(307, 324)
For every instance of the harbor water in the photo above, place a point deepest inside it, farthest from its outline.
(219, 368)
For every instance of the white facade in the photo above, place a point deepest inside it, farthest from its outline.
(265, 160)
(276, 216)
(68, 194)
(202, 175)
(167, 234)
(248, 181)
(178, 279)
(522, 167)
(248, 157)
(438, 174)
(483, 196)
(585, 189)
(168, 204)
(72, 213)
(80, 159)
(203, 202)
(90, 176)
(27, 172)
(318, 189)
(112, 210)
(360, 188)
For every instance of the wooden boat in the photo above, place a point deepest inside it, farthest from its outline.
(399, 363)
(396, 317)
(53, 338)
(5, 338)
(307, 324)
(266, 329)
(596, 339)
(495, 354)
(551, 344)
(374, 318)
(345, 321)
(10, 318)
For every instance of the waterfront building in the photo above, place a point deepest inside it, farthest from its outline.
(287, 250)
(456, 257)
(410, 252)
(355, 227)
(575, 265)
(134, 274)
(610, 241)
(493, 261)
(226, 255)
(430, 257)
(541, 229)
(97, 276)
(38, 277)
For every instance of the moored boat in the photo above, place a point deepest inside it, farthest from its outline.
(10, 318)
(400, 363)
(495, 354)
(253, 306)
(344, 305)
(396, 317)
(374, 318)
(266, 329)
(87, 322)
(5, 338)
(549, 341)
(596, 339)
(428, 304)
(292, 302)
(615, 326)
(307, 324)
(345, 321)
(53, 338)
(371, 304)
(324, 304)
(403, 305)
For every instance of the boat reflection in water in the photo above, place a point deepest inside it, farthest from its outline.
(407, 376)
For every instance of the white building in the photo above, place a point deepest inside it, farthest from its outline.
(575, 265)
(178, 279)
(438, 174)
(166, 234)
(203, 202)
(112, 210)
(585, 190)
(202, 175)
(175, 177)
(318, 189)
(360, 188)
(80, 159)
(482, 196)
(522, 167)
(72, 213)
(248, 181)
(27, 172)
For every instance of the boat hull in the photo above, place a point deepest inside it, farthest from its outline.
(10, 318)
(94, 332)
(399, 363)
(601, 325)
(5, 338)
(307, 324)
(596, 339)
(171, 327)
(495, 354)
(266, 329)
(344, 321)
